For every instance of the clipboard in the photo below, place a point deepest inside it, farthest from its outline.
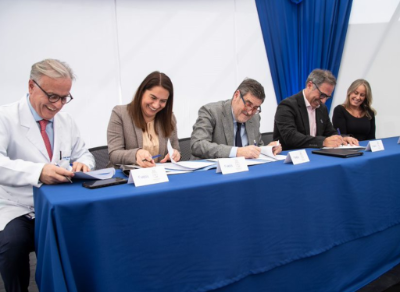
(343, 153)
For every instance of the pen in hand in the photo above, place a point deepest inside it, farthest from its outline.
(67, 177)
(255, 143)
(64, 166)
(153, 157)
(338, 130)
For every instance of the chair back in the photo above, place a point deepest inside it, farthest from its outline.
(100, 156)
(184, 144)
(267, 137)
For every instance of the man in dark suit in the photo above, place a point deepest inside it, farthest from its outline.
(231, 128)
(302, 120)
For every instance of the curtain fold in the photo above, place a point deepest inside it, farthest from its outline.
(300, 36)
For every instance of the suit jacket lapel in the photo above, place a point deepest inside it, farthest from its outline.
(303, 112)
(139, 135)
(32, 130)
(227, 122)
(319, 121)
(250, 131)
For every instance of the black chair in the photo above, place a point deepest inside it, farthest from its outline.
(100, 156)
(267, 137)
(184, 144)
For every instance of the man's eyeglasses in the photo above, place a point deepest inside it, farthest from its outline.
(54, 97)
(249, 105)
(321, 94)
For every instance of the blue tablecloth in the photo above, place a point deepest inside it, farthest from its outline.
(332, 224)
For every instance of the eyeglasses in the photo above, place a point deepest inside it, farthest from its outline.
(321, 94)
(249, 105)
(53, 98)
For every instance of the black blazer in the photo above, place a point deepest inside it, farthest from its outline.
(291, 126)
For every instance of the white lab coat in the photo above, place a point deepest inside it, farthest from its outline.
(23, 155)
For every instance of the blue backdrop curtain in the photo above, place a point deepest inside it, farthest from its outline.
(300, 36)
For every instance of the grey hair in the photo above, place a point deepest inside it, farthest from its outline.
(52, 68)
(319, 76)
(252, 86)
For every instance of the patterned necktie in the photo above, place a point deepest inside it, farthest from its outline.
(238, 138)
(43, 124)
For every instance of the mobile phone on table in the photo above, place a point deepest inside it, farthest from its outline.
(104, 183)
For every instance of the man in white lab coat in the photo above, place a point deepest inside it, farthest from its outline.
(34, 139)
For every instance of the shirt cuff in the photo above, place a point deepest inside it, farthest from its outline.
(233, 152)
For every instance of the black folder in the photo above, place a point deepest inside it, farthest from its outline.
(344, 153)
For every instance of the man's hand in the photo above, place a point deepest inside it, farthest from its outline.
(333, 141)
(79, 166)
(248, 152)
(52, 174)
(277, 148)
(351, 141)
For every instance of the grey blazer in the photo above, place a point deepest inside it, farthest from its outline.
(124, 139)
(213, 136)
(292, 128)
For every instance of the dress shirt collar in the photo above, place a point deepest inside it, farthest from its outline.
(34, 113)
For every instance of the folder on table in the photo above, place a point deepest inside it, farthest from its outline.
(343, 153)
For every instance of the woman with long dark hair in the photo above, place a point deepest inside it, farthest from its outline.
(140, 130)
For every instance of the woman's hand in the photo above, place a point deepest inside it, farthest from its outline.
(176, 156)
(143, 159)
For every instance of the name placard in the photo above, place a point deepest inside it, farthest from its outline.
(374, 146)
(147, 176)
(231, 165)
(297, 157)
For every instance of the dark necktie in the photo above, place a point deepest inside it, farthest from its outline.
(238, 138)
(46, 140)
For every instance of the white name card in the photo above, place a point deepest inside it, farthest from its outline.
(147, 176)
(297, 157)
(231, 165)
(374, 146)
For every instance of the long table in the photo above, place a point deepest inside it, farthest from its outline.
(332, 224)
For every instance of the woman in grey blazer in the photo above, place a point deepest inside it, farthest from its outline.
(140, 130)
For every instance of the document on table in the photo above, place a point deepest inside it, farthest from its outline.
(184, 165)
(248, 162)
(95, 174)
(175, 168)
(268, 154)
(188, 165)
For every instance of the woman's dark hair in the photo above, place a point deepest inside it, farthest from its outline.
(164, 117)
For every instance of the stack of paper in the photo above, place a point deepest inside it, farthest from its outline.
(188, 165)
(96, 174)
(268, 154)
